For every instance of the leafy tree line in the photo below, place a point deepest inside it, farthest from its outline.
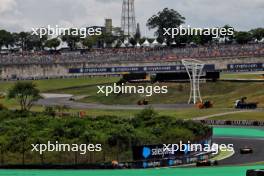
(18, 130)
(167, 18)
(23, 40)
(26, 41)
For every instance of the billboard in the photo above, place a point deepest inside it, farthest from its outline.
(160, 152)
(134, 69)
(246, 67)
(171, 76)
(151, 152)
(233, 122)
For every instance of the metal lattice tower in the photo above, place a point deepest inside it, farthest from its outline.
(194, 69)
(128, 19)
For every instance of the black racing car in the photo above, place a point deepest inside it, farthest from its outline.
(246, 150)
(255, 172)
(206, 163)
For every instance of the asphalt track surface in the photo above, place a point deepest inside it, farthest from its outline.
(78, 105)
(237, 158)
(65, 99)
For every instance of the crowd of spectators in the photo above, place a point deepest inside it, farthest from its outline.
(121, 55)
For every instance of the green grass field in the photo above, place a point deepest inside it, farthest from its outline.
(223, 94)
(54, 84)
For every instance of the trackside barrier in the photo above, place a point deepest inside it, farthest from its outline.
(233, 122)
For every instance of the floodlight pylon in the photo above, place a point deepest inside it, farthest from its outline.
(128, 19)
(194, 69)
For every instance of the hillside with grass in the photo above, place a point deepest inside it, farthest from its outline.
(223, 94)
(54, 84)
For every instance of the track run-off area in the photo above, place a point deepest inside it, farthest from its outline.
(235, 165)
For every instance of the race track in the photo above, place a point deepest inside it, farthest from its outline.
(79, 105)
(237, 158)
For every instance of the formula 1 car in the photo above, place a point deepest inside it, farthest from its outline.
(203, 163)
(206, 163)
(255, 172)
(242, 104)
(246, 150)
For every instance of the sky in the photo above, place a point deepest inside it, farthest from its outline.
(18, 15)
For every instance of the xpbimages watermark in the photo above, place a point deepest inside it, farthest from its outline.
(57, 31)
(214, 32)
(126, 89)
(190, 147)
(58, 147)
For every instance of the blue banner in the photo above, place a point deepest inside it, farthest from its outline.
(246, 67)
(140, 69)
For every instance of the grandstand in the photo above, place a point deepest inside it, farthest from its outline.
(40, 65)
(139, 55)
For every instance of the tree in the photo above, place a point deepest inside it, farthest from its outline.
(71, 38)
(37, 135)
(35, 42)
(117, 135)
(243, 37)
(144, 116)
(3, 148)
(204, 39)
(22, 40)
(168, 18)
(227, 38)
(120, 137)
(28, 41)
(50, 111)
(25, 93)
(6, 38)
(52, 43)
(107, 39)
(90, 41)
(133, 41)
(61, 109)
(257, 33)
(19, 140)
(176, 135)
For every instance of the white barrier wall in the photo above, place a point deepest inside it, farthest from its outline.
(38, 71)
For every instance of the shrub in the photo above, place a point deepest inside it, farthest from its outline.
(2, 107)
(50, 111)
